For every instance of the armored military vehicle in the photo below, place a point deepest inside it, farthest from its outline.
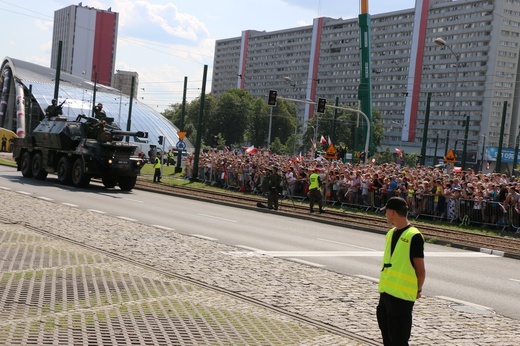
(78, 151)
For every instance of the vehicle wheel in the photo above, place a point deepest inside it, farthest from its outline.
(79, 177)
(109, 182)
(38, 170)
(26, 165)
(127, 183)
(64, 171)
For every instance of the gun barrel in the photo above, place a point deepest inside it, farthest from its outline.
(128, 133)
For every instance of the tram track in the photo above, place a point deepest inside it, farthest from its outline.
(236, 295)
(506, 244)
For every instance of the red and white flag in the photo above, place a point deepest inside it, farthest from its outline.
(487, 165)
(313, 143)
(299, 158)
(251, 150)
(373, 160)
(457, 169)
(399, 151)
(323, 140)
(328, 140)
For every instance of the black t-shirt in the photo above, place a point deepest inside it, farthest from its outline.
(416, 247)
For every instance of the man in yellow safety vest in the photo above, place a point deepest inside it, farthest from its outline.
(402, 275)
(157, 166)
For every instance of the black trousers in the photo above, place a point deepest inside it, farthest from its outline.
(157, 175)
(315, 197)
(394, 316)
(272, 199)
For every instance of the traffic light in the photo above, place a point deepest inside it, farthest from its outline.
(321, 105)
(161, 140)
(271, 101)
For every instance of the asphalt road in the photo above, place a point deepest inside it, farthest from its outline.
(476, 278)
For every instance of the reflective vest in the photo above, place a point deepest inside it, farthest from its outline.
(314, 181)
(398, 277)
(157, 163)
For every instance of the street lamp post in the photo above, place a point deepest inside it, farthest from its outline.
(441, 42)
(270, 124)
(483, 151)
(367, 141)
(315, 139)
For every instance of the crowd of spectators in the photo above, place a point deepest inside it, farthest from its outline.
(467, 196)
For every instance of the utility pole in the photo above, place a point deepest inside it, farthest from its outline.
(425, 131)
(465, 147)
(515, 159)
(200, 126)
(58, 71)
(178, 167)
(498, 167)
(365, 86)
(483, 151)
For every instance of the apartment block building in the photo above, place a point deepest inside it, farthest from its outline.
(123, 81)
(89, 37)
(471, 73)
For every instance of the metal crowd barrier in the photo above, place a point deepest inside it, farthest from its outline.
(427, 206)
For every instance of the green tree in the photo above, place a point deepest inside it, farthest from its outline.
(277, 147)
(192, 117)
(258, 124)
(347, 132)
(411, 159)
(231, 116)
(385, 157)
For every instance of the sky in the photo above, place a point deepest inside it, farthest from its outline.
(165, 41)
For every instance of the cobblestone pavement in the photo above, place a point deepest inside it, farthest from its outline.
(56, 292)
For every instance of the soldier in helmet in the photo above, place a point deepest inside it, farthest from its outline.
(53, 110)
(99, 112)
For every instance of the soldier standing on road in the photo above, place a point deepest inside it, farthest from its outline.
(157, 166)
(274, 180)
(402, 276)
(315, 191)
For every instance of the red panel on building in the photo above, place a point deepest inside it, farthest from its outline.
(104, 41)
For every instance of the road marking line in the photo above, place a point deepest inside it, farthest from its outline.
(346, 244)
(70, 205)
(249, 248)
(133, 200)
(204, 237)
(126, 218)
(45, 198)
(164, 227)
(305, 253)
(459, 254)
(369, 278)
(24, 193)
(216, 217)
(5, 188)
(515, 280)
(306, 262)
(463, 302)
(96, 211)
